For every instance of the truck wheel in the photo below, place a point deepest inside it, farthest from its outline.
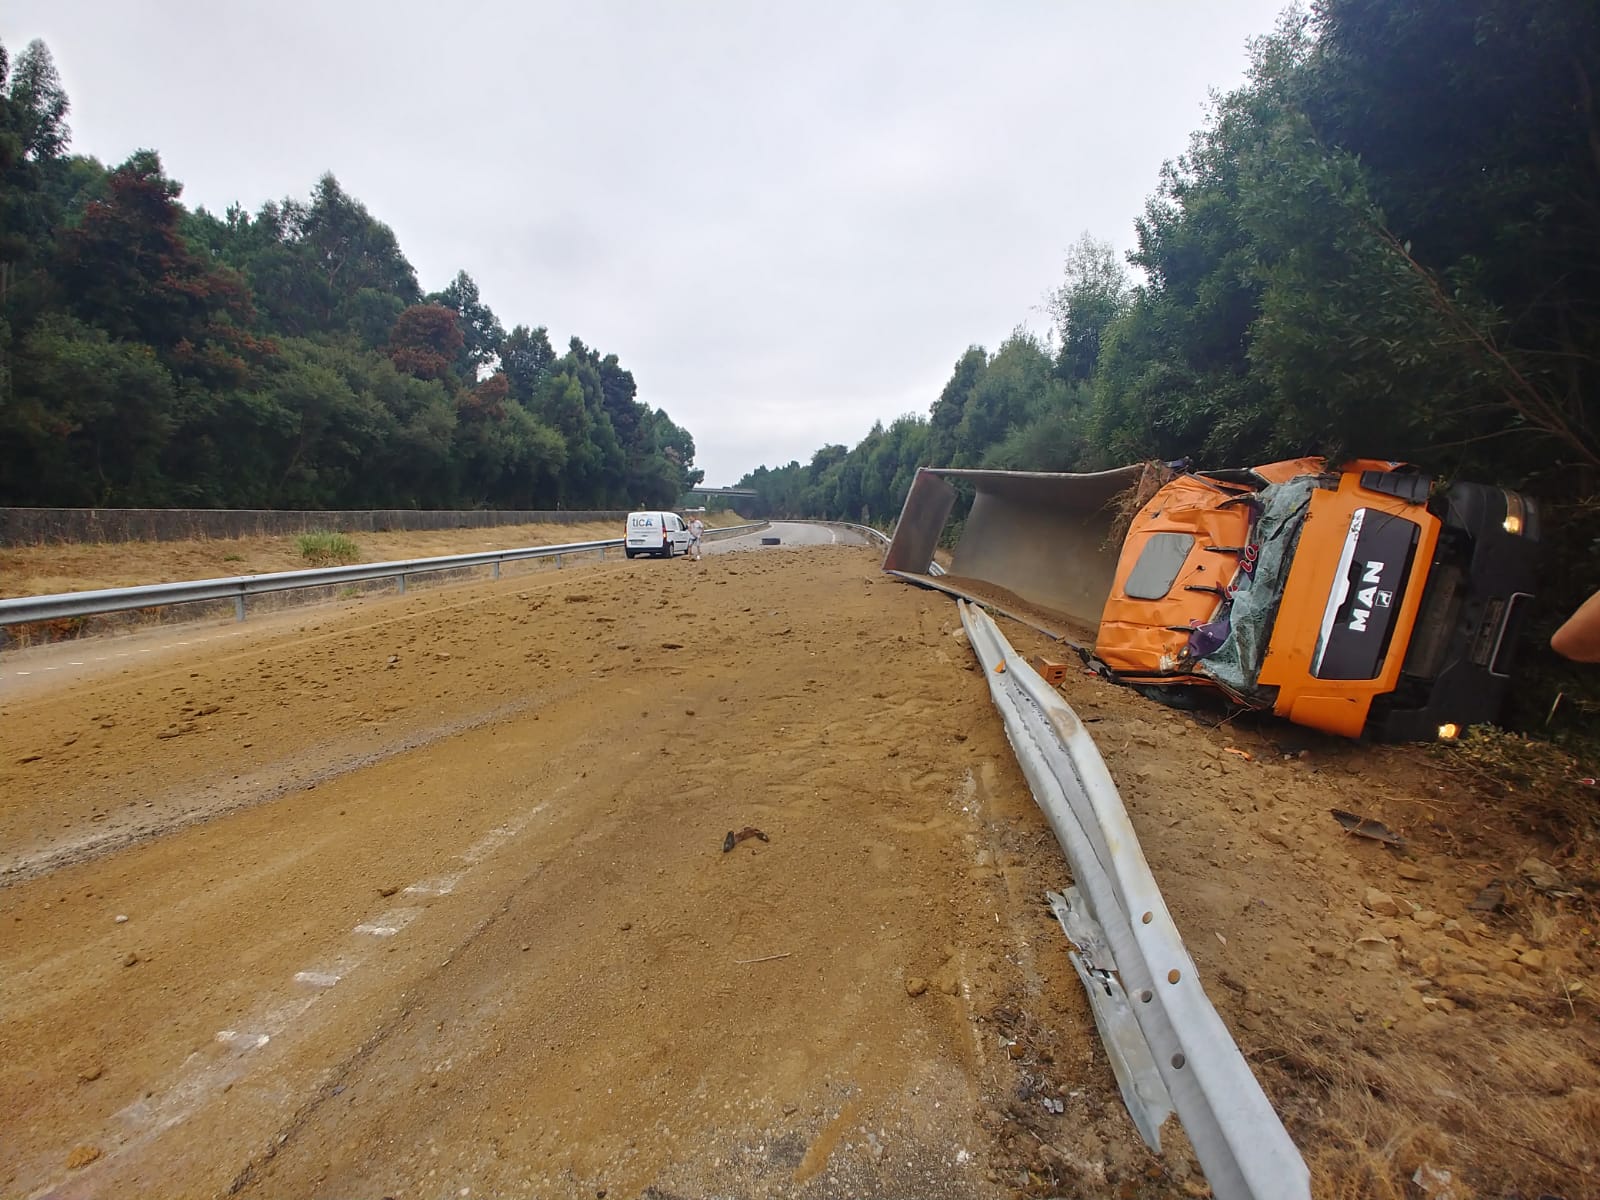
(628, 552)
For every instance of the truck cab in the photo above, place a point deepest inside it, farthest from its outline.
(1357, 599)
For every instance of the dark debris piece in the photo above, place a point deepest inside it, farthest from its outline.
(1368, 828)
(733, 839)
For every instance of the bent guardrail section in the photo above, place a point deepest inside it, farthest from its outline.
(22, 609)
(1242, 1145)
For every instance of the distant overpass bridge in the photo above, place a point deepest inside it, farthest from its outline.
(744, 499)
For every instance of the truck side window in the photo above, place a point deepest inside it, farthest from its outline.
(1159, 562)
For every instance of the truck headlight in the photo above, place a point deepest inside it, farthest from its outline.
(1516, 513)
(1449, 731)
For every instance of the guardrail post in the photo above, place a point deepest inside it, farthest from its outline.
(400, 581)
(238, 607)
(497, 568)
(559, 563)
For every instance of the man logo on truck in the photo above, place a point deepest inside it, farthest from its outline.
(1372, 576)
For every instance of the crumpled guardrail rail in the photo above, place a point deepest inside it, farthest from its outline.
(1242, 1145)
(108, 600)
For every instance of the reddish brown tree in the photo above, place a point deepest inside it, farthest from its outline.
(129, 270)
(426, 341)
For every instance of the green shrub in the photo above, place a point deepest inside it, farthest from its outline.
(321, 548)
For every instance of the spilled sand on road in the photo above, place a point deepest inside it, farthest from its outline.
(874, 1002)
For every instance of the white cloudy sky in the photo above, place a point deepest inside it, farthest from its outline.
(787, 219)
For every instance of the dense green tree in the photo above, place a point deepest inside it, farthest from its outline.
(481, 330)
(526, 356)
(1094, 293)
(88, 419)
(951, 407)
(39, 104)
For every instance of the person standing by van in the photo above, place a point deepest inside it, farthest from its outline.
(697, 529)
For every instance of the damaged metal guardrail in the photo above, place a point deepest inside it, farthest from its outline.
(108, 600)
(1167, 1045)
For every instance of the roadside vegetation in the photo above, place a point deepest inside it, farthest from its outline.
(322, 548)
(288, 357)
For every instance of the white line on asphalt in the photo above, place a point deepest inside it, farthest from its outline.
(441, 885)
(202, 1076)
(390, 923)
(243, 1041)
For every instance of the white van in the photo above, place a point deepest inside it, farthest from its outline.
(662, 533)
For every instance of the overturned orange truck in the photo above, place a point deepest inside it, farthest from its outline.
(1360, 599)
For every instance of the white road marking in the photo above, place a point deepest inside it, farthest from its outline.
(204, 1074)
(243, 1041)
(441, 885)
(24, 672)
(390, 923)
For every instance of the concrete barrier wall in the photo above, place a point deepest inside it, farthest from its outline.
(34, 526)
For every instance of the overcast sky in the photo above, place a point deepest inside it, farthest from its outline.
(787, 219)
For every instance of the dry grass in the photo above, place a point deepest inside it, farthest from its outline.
(1505, 1109)
(1539, 776)
(1125, 505)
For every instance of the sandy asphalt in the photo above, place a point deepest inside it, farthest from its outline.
(427, 896)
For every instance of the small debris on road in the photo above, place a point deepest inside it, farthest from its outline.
(82, 1156)
(1366, 827)
(1541, 874)
(733, 839)
(1491, 898)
